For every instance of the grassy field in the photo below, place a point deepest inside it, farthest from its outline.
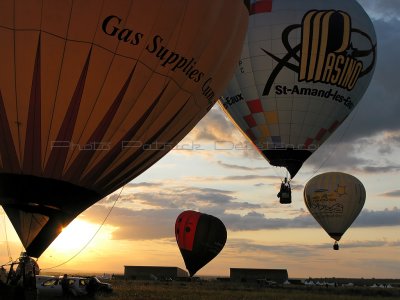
(131, 289)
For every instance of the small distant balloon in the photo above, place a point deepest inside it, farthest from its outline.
(200, 238)
(335, 200)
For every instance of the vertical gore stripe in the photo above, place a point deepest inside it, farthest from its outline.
(114, 178)
(8, 154)
(113, 153)
(58, 155)
(32, 150)
(83, 158)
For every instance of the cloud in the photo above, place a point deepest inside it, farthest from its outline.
(207, 200)
(385, 149)
(298, 187)
(143, 184)
(380, 169)
(214, 127)
(215, 130)
(111, 199)
(299, 250)
(395, 243)
(378, 110)
(393, 137)
(388, 143)
(211, 200)
(233, 178)
(250, 177)
(157, 221)
(258, 221)
(156, 208)
(136, 225)
(367, 244)
(370, 218)
(215, 133)
(386, 10)
(238, 167)
(394, 193)
(336, 155)
(250, 246)
(364, 155)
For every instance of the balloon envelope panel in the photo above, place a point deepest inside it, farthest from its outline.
(304, 67)
(335, 200)
(200, 238)
(93, 93)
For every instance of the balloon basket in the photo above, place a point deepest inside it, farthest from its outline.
(336, 246)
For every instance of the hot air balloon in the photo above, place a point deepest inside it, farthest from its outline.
(335, 200)
(92, 93)
(200, 238)
(304, 67)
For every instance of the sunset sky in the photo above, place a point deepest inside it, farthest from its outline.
(214, 170)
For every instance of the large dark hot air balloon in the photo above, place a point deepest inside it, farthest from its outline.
(304, 67)
(334, 199)
(92, 93)
(200, 238)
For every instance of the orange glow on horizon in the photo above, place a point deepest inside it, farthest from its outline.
(74, 237)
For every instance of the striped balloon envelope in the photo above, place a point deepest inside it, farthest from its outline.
(200, 238)
(92, 93)
(304, 66)
(335, 200)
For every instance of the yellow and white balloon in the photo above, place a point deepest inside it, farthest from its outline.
(335, 200)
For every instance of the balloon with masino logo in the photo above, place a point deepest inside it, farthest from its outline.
(335, 200)
(304, 66)
(91, 92)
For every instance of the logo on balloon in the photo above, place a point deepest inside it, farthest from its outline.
(326, 195)
(327, 52)
(327, 210)
(176, 62)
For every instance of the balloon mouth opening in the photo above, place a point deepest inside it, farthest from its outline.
(336, 236)
(45, 204)
(290, 158)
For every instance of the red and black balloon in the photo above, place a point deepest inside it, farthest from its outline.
(200, 238)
